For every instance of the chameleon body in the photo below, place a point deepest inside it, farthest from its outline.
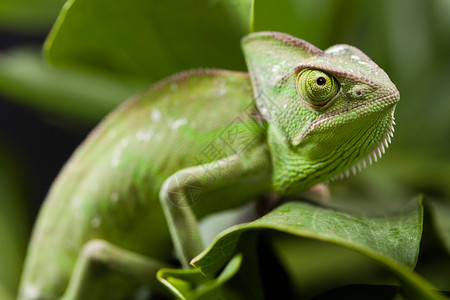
(197, 143)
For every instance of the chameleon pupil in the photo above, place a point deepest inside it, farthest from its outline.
(321, 81)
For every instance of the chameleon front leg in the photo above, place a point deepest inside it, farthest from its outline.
(181, 191)
(100, 257)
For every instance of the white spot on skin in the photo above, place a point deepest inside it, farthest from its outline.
(115, 162)
(95, 222)
(355, 57)
(264, 111)
(222, 91)
(276, 72)
(178, 123)
(76, 205)
(156, 115)
(144, 135)
(275, 69)
(117, 153)
(31, 291)
(364, 63)
(114, 197)
(336, 50)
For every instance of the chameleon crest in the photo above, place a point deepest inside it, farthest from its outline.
(329, 111)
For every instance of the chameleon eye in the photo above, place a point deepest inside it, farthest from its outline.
(317, 88)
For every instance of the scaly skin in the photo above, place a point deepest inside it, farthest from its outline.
(299, 133)
(310, 145)
(117, 200)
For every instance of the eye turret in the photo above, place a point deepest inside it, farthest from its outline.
(316, 87)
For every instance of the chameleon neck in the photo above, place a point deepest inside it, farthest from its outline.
(291, 173)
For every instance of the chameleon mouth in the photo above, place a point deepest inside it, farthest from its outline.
(373, 156)
(380, 148)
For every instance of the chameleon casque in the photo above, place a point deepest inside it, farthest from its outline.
(199, 142)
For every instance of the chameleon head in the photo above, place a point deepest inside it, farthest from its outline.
(329, 112)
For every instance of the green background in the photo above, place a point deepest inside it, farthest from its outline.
(102, 52)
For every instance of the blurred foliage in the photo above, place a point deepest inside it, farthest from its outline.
(13, 220)
(148, 38)
(47, 90)
(105, 51)
(28, 16)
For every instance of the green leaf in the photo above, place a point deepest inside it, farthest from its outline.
(77, 96)
(392, 240)
(191, 284)
(150, 38)
(237, 280)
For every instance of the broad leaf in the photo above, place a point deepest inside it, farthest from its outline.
(191, 284)
(392, 240)
(237, 280)
(153, 38)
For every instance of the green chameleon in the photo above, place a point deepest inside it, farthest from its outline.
(200, 142)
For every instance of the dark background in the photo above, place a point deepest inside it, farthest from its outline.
(40, 145)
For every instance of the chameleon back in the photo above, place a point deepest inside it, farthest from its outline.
(109, 188)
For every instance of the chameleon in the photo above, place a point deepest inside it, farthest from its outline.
(199, 142)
